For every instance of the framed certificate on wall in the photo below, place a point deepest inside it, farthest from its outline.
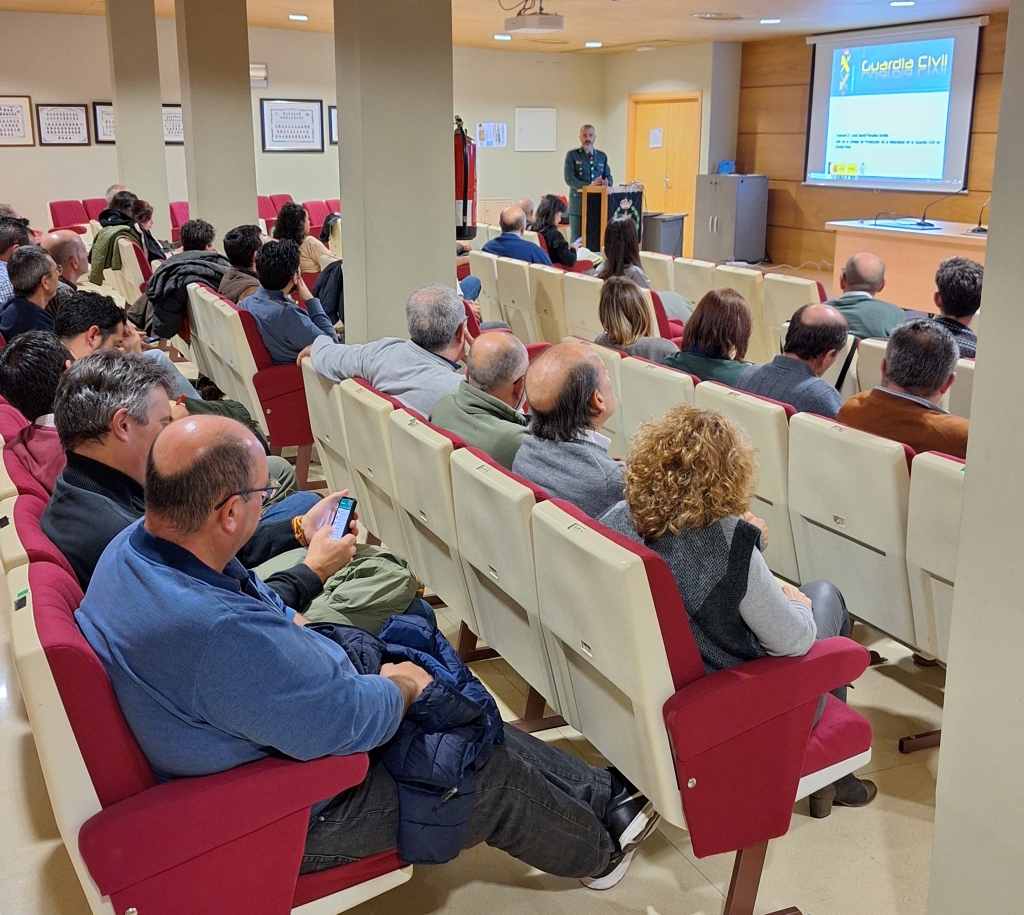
(332, 124)
(292, 125)
(103, 122)
(63, 125)
(16, 121)
(174, 126)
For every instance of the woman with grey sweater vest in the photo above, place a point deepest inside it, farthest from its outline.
(690, 480)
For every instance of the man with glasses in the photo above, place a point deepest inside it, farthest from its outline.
(109, 409)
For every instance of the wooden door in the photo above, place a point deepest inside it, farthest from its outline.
(663, 152)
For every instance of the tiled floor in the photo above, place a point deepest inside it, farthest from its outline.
(872, 861)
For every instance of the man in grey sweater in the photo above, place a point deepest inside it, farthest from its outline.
(571, 398)
(817, 334)
(418, 371)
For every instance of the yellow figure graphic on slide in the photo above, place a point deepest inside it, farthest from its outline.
(844, 66)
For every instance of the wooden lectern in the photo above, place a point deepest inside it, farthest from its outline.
(603, 203)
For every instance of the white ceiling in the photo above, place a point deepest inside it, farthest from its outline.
(619, 24)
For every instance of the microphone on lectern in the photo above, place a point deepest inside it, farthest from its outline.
(923, 223)
(979, 229)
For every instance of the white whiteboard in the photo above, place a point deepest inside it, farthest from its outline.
(536, 129)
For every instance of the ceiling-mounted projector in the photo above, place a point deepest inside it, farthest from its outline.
(534, 23)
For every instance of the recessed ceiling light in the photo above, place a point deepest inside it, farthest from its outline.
(298, 17)
(717, 16)
(770, 21)
(593, 44)
(646, 47)
(502, 37)
(901, 2)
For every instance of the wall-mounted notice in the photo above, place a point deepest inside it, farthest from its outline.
(492, 133)
(656, 136)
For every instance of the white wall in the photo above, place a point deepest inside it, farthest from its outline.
(488, 86)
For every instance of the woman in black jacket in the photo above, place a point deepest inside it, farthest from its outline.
(545, 224)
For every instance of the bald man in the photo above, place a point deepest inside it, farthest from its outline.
(68, 251)
(485, 409)
(571, 398)
(212, 672)
(817, 334)
(511, 242)
(862, 279)
(526, 205)
(112, 190)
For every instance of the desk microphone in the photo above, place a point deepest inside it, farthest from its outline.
(979, 229)
(923, 223)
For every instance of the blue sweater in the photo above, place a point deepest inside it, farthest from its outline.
(285, 328)
(211, 672)
(512, 244)
(20, 315)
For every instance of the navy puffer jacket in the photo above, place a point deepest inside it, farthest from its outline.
(446, 736)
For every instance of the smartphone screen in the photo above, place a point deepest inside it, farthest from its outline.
(342, 518)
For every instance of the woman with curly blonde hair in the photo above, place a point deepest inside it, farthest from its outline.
(690, 481)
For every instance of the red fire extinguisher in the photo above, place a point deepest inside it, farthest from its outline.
(465, 183)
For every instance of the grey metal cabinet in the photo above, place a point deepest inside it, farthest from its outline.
(731, 218)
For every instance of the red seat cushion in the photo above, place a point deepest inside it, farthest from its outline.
(94, 206)
(318, 212)
(334, 204)
(279, 200)
(841, 733)
(28, 510)
(472, 324)
(67, 213)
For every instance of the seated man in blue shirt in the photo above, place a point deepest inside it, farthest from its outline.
(212, 671)
(35, 278)
(511, 242)
(285, 328)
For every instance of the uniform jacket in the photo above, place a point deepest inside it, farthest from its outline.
(578, 173)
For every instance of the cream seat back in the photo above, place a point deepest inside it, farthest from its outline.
(607, 653)
(493, 232)
(235, 364)
(870, 354)
(514, 295)
(783, 295)
(582, 302)
(368, 436)
(201, 324)
(766, 424)
(484, 267)
(423, 486)
(933, 536)
(750, 285)
(692, 278)
(959, 396)
(614, 426)
(547, 294)
(12, 551)
(133, 278)
(328, 426)
(335, 242)
(848, 497)
(532, 237)
(650, 390)
(493, 514)
(116, 279)
(660, 269)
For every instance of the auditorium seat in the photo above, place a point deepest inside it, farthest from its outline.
(335, 241)
(179, 216)
(547, 299)
(664, 327)
(21, 537)
(94, 206)
(485, 268)
(692, 278)
(848, 496)
(423, 489)
(850, 384)
(649, 390)
(514, 295)
(614, 426)
(959, 396)
(333, 204)
(493, 232)
(660, 269)
(498, 563)
(266, 211)
(328, 427)
(318, 211)
(368, 435)
(750, 285)
(783, 295)
(134, 266)
(582, 301)
(723, 756)
(532, 237)
(67, 213)
(870, 354)
(229, 842)
(279, 200)
(766, 423)
(933, 536)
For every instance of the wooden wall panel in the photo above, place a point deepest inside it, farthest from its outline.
(775, 82)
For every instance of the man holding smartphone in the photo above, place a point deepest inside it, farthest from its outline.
(584, 167)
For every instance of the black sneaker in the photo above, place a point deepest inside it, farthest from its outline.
(630, 818)
(618, 864)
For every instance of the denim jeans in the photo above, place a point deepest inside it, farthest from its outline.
(298, 503)
(533, 801)
(470, 287)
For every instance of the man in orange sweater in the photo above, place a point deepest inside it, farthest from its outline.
(918, 369)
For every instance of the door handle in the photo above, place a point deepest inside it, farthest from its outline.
(668, 182)
(711, 223)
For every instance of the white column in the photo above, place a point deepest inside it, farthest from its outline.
(979, 832)
(395, 126)
(216, 101)
(135, 77)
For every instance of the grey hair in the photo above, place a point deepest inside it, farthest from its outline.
(507, 366)
(920, 357)
(96, 387)
(26, 268)
(434, 314)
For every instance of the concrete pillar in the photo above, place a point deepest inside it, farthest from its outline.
(216, 103)
(979, 838)
(395, 126)
(135, 76)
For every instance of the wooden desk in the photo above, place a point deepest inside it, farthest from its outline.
(911, 255)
